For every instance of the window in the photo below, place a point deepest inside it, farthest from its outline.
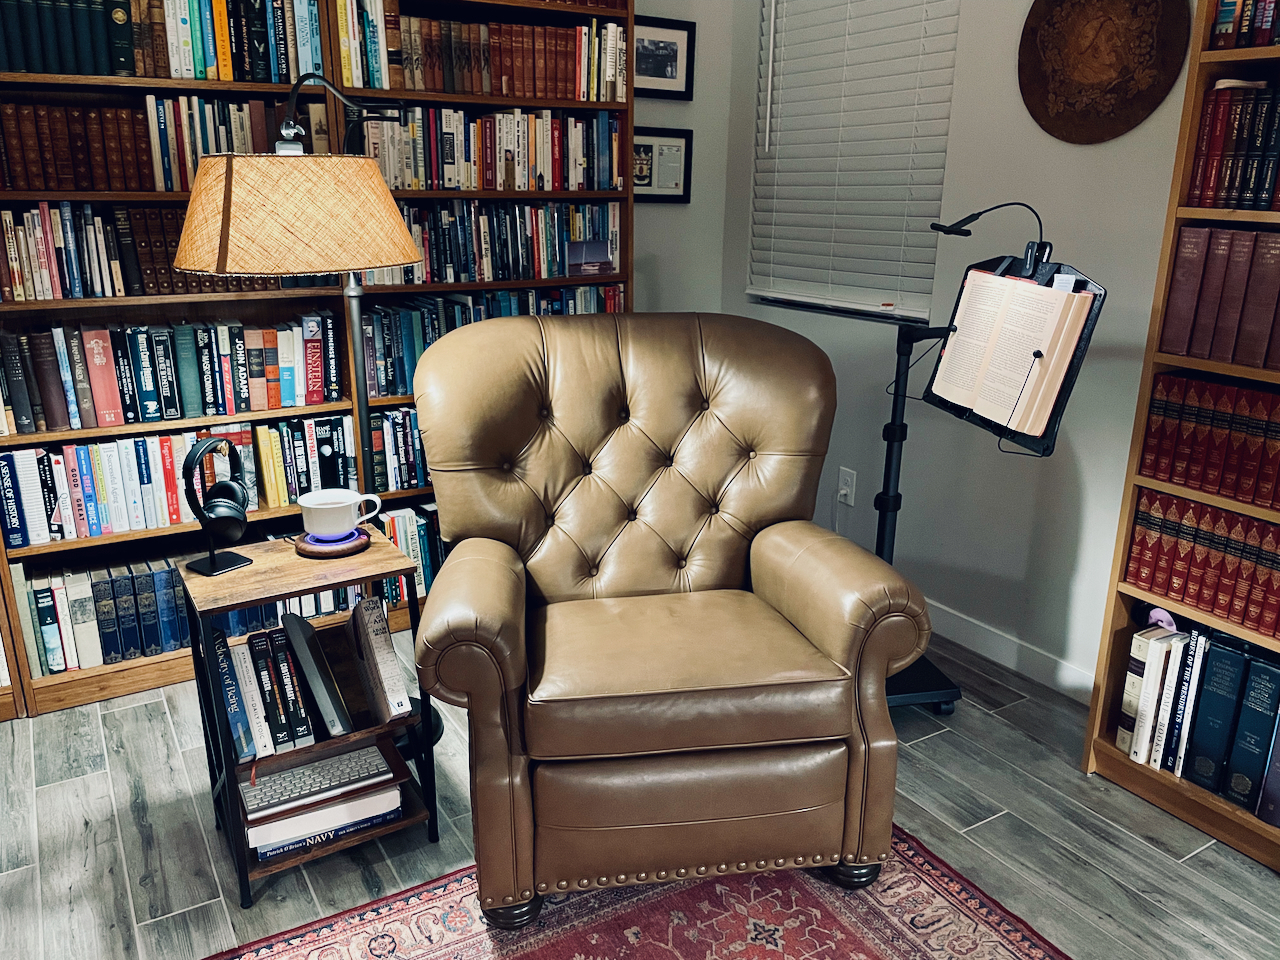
(852, 112)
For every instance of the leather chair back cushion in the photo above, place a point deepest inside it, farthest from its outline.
(627, 454)
(640, 819)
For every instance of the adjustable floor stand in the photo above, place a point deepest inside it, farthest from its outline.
(921, 682)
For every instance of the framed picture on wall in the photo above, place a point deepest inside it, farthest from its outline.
(664, 58)
(661, 164)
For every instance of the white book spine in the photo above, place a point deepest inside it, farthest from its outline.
(1188, 713)
(32, 497)
(104, 265)
(84, 624)
(299, 367)
(1152, 680)
(181, 444)
(127, 459)
(251, 700)
(349, 442)
(26, 620)
(65, 629)
(313, 452)
(117, 497)
(63, 489)
(153, 133)
(1167, 696)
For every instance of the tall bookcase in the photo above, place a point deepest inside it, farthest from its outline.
(28, 696)
(1209, 812)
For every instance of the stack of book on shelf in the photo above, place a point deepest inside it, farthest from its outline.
(1223, 296)
(1243, 23)
(76, 619)
(416, 531)
(1202, 705)
(284, 689)
(469, 241)
(1207, 558)
(443, 149)
(383, 50)
(1237, 148)
(241, 40)
(1213, 435)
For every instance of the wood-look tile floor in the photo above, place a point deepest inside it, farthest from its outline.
(107, 845)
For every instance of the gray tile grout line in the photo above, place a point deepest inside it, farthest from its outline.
(115, 815)
(973, 826)
(191, 792)
(78, 776)
(912, 743)
(1198, 850)
(194, 906)
(130, 706)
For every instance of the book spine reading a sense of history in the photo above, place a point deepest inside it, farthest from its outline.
(149, 38)
(400, 52)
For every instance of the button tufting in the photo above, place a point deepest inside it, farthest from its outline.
(551, 521)
(562, 885)
(544, 413)
(706, 405)
(682, 564)
(586, 469)
(624, 414)
(714, 509)
(631, 514)
(593, 571)
(506, 467)
(751, 455)
(671, 461)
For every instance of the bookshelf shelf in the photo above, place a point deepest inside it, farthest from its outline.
(402, 288)
(81, 543)
(74, 688)
(93, 196)
(8, 704)
(99, 303)
(507, 195)
(552, 6)
(406, 494)
(1212, 499)
(41, 439)
(1229, 216)
(1208, 812)
(149, 84)
(1167, 360)
(528, 103)
(405, 400)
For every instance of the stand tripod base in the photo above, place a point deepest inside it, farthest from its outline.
(217, 563)
(922, 683)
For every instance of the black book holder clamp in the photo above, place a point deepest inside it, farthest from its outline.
(223, 513)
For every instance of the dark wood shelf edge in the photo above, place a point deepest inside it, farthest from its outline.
(75, 688)
(98, 303)
(1180, 609)
(162, 83)
(1268, 514)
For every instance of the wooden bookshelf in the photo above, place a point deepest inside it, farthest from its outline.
(28, 696)
(1214, 815)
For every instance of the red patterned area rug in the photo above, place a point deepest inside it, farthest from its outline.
(919, 908)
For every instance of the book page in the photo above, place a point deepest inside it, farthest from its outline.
(1035, 419)
(1031, 318)
(975, 320)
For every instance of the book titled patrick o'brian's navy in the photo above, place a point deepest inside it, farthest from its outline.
(268, 853)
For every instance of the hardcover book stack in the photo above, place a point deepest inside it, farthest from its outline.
(264, 41)
(1223, 297)
(1237, 148)
(1203, 705)
(380, 49)
(76, 377)
(1244, 23)
(1214, 435)
(284, 689)
(443, 149)
(1205, 557)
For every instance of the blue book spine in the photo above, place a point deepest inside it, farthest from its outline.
(162, 129)
(73, 249)
(419, 457)
(144, 462)
(49, 634)
(206, 35)
(91, 251)
(179, 606)
(126, 615)
(104, 608)
(286, 385)
(270, 616)
(142, 356)
(64, 371)
(85, 465)
(144, 591)
(239, 621)
(267, 853)
(313, 19)
(271, 45)
(168, 613)
(15, 524)
(240, 734)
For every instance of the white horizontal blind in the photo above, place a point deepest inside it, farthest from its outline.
(851, 144)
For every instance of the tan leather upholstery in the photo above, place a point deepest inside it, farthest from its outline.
(638, 615)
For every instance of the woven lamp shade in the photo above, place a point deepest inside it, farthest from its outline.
(269, 215)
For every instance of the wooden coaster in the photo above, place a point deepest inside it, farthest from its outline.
(306, 546)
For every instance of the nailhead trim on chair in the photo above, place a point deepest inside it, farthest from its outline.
(742, 866)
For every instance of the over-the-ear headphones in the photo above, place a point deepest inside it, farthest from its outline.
(222, 515)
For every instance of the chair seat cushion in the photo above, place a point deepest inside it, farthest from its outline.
(678, 671)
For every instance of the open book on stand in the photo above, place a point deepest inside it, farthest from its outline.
(1012, 344)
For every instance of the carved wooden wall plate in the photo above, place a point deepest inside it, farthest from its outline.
(1092, 70)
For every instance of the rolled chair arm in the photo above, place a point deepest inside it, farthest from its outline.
(476, 599)
(837, 594)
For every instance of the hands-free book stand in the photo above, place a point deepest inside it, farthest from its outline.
(1043, 272)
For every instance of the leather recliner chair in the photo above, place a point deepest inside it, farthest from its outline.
(669, 671)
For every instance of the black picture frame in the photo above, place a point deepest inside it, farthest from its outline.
(650, 139)
(669, 42)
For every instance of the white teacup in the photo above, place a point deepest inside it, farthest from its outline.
(333, 513)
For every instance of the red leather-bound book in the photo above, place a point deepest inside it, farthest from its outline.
(60, 131)
(1247, 571)
(1201, 157)
(102, 376)
(1185, 548)
(1254, 444)
(1184, 290)
(1213, 560)
(128, 149)
(1219, 437)
(1269, 619)
(97, 148)
(1217, 137)
(557, 154)
(1184, 443)
(1269, 470)
(1141, 523)
(1151, 541)
(1170, 528)
(1200, 555)
(1234, 285)
(1207, 394)
(1263, 572)
(487, 133)
(1175, 392)
(1237, 528)
(1236, 442)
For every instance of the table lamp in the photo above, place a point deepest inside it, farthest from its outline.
(289, 214)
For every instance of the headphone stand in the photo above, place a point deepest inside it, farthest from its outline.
(217, 563)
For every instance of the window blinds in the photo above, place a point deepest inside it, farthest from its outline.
(852, 111)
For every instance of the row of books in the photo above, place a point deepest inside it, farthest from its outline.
(70, 251)
(94, 490)
(380, 49)
(464, 241)
(1243, 23)
(1209, 434)
(398, 460)
(243, 40)
(1203, 705)
(416, 531)
(1223, 297)
(1205, 557)
(75, 620)
(1237, 148)
(443, 149)
(83, 377)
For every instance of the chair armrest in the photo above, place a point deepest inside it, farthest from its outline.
(837, 594)
(473, 622)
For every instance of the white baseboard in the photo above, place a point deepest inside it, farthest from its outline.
(1008, 651)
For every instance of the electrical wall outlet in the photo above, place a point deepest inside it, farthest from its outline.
(848, 484)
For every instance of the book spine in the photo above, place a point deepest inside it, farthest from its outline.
(241, 735)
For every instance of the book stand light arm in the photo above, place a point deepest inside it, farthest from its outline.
(1038, 251)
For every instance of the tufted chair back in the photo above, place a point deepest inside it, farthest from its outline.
(624, 454)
